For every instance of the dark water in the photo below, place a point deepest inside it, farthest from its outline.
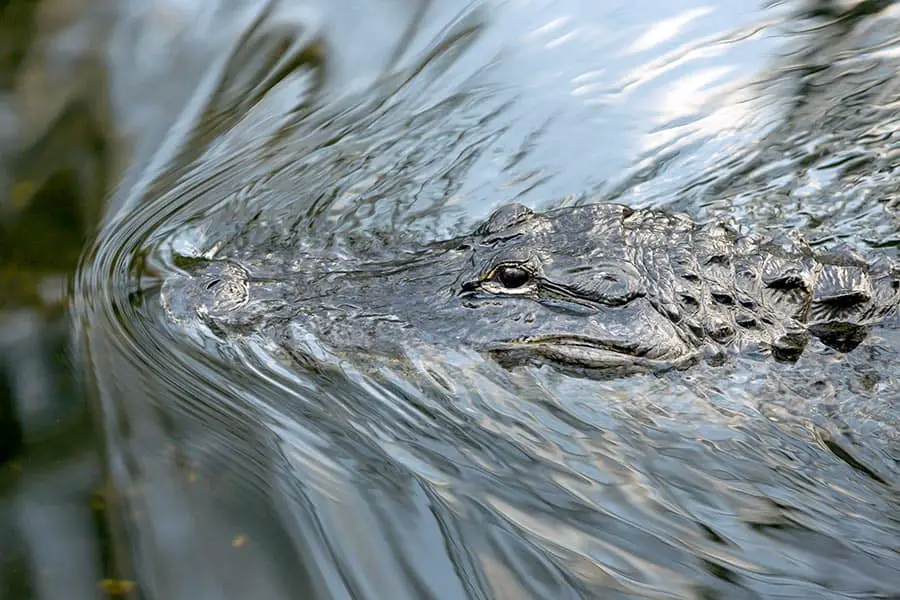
(171, 461)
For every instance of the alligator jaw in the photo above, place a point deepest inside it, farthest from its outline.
(589, 354)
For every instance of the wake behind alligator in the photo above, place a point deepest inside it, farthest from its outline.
(598, 289)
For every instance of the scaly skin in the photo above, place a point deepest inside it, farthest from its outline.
(597, 288)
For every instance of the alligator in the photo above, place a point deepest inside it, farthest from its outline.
(596, 288)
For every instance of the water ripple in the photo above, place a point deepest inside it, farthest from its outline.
(434, 472)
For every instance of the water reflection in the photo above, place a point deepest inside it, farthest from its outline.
(232, 467)
(55, 169)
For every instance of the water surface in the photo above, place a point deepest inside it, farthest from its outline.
(272, 127)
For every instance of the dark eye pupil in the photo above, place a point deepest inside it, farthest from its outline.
(512, 277)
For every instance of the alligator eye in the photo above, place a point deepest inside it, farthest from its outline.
(512, 277)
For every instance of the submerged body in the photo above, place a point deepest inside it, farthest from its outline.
(596, 288)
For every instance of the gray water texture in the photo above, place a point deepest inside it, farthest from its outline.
(253, 127)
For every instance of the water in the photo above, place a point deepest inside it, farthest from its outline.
(230, 471)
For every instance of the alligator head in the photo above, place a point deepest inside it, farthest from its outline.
(560, 287)
(596, 288)
(553, 288)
